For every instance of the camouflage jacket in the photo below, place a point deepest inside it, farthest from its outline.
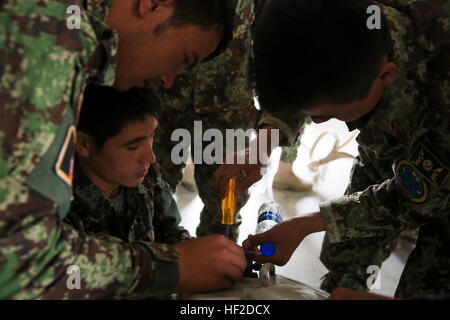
(401, 177)
(43, 68)
(149, 211)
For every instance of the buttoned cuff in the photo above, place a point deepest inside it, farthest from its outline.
(160, 271)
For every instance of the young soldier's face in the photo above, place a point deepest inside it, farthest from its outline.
(125, 158)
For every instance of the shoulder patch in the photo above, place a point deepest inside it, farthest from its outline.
(410, 182)
(65, 162)
(429, 165)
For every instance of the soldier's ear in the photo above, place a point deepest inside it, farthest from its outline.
(388, 72)
(146, 7)
(83, 144)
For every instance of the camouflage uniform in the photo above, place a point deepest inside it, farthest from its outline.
(400, 180)
(43, 68)
(149, 211)
(289, 154)
(218, 94)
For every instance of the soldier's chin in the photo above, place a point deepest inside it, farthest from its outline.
(133, 183)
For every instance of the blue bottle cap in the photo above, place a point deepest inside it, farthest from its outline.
(267, 249)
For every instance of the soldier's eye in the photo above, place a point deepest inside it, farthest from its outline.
(132, 147)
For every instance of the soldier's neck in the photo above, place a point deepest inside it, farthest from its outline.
(109, 188)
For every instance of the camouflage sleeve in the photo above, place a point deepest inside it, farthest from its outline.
(417, 192)
(363, 226)
(167, 217)
(41, 72)
(37, 249)
(347, 261)
(379, 209)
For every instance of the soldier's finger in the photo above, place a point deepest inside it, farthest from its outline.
(260, 258)
(252, 177)
(234, 273)
(226, 172)
(236, 249)
(220, 182)
(252, 242)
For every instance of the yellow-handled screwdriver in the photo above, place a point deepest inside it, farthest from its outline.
(229, 206)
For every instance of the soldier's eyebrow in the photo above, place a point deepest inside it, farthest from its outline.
(133, 141)
(137, 139)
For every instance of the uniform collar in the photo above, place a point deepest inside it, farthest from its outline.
(85, 190)
(98, 8)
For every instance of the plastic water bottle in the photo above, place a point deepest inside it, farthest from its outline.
(268, 216)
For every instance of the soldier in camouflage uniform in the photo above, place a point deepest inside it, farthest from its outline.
(143, 212)
(400, 180)
(44, 67)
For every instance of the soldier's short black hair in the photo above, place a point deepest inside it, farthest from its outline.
(105, 111)
(206, 14)
(307, 52)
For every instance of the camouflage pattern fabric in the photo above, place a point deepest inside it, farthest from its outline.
(150, 213)
(400, 180)
(218, 94)
(289, 154)
(43, 69)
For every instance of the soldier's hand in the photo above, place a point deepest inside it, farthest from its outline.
(209, 263)
(286, 236)
(250, 173)
(250, 162)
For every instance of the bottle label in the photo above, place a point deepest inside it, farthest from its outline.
(269, 215)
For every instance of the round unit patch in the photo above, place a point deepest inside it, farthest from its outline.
(410, 182)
